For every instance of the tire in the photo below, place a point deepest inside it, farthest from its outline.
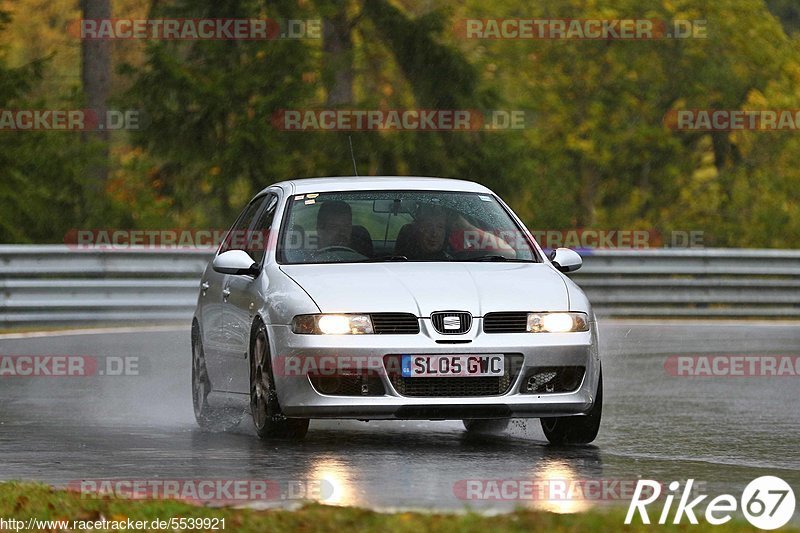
(208, 418)
(576, 429)
(268, 419)
(485, 425)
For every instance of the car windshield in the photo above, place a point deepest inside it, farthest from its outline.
(377, 226)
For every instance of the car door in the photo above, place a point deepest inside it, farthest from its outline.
(210, 304)
(241, 299)
(218, 358)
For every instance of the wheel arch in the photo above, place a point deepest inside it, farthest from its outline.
(195, 327)
(258, 321)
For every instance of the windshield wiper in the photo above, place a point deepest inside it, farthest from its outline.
(385, 259)
(491, 257)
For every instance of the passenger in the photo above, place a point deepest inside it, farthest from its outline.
(430, 234)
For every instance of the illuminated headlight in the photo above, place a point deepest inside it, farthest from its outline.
(332, 324)
(557, 322)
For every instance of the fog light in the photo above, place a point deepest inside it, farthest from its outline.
(327, 385)
(536, 381)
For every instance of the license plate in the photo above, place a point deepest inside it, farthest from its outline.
(445, 366)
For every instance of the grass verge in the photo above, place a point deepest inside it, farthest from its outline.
(26, 501)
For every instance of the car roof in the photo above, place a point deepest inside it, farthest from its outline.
(361, 183)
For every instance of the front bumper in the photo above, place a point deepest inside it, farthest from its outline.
(298, 398)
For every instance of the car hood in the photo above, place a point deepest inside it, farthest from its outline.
(422, 288)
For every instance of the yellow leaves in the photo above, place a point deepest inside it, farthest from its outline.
(704, 174)
(128, 157)
(579, 144)
(756, 100)
(215, 170)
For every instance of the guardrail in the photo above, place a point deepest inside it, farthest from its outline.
(693, 282)
(55, 284)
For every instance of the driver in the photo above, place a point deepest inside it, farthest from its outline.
(335, 224)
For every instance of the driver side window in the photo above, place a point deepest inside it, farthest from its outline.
(258, 236)
(237, 236)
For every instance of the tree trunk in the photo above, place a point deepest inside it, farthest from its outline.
(96, 79)
(338, 47)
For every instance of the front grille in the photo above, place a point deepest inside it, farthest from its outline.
(505, 323)
(348, 385)
(395, 323)
(552, 379)
(455, 387)
(451, 322)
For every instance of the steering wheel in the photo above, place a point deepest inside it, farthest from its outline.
(338, 248)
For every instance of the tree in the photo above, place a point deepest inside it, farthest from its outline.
(96, 78)
(41, 187)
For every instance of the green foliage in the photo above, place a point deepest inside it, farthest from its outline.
(40, 172)
(208, 107)
(788, 12)
(596, 152)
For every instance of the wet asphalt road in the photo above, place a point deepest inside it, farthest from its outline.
(723, 432)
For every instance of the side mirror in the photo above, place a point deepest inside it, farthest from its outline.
(565, 260)
(236, 262)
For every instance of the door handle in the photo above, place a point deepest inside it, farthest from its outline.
(226, 292)
(204, 285)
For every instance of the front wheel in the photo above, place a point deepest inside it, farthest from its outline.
(576, 429)
(269, 420)
(208, 418)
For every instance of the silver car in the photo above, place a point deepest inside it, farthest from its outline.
(392, 298)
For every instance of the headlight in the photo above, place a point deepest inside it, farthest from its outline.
(557, 322)
(332, 324)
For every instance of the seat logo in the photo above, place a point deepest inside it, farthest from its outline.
(452, 323)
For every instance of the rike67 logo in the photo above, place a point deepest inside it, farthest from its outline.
(767, 502)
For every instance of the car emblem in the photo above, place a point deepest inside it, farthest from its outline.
(452, 322)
